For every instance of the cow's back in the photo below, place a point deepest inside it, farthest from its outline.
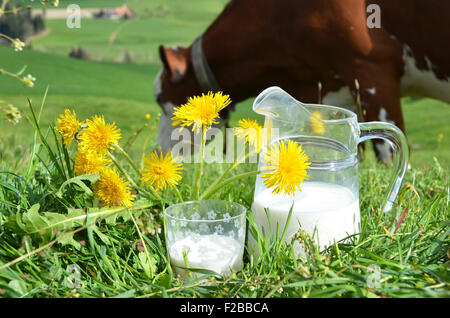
(423, 29)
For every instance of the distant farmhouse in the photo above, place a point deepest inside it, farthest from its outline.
(114, 13)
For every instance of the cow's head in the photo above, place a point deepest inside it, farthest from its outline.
(177, 79)
(174, 83)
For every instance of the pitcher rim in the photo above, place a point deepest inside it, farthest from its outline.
(350, 115)
(242, 210)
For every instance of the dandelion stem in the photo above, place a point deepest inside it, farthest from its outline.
(122, 170)
(200, 165)
(128, 158)
(212, 191)
(153, 191)
(178, 193)
(143, 244)
(226, 172)
(133, 165)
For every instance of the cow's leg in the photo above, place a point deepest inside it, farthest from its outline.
(379, 89)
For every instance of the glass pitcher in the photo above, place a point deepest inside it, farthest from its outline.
(327, 206)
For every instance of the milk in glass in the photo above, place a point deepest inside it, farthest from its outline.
(217, 253)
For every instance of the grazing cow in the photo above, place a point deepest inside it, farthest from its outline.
(296, 44)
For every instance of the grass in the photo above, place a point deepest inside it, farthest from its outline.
(427, 131)
(403, 253)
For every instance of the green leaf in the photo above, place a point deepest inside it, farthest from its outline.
(128, 294)
(146, 264)
(18, 286)
(165, 281)
(79, 182)
(45, 225)
(31, 221)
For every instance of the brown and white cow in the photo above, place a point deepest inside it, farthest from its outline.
(295, 44)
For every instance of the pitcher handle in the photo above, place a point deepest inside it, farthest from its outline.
(397, 140)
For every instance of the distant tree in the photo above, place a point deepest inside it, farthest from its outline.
(80, 53)
(17, 22)
(16, 25)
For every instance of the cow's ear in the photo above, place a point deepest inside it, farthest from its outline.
(175, 63)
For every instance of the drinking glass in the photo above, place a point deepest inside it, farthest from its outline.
(206, 235)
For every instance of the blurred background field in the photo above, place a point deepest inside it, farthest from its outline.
(117, 78)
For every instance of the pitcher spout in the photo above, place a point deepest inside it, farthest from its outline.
(276, 103)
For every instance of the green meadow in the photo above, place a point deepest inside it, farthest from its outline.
(408, 247)
(105, 86)
(108, 88)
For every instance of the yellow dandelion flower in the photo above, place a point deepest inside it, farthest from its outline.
(161, 171)
(67, 126)
(250, 131)
(286, 167)
(88, 162)
(200, 111)
(317, 124)
(147, 116)
(99, 136)
(112, 190)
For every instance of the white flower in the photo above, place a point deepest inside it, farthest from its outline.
(227, 217)
(17, 45)
(211, 215)
(218, 229)
(195, 216)
(28, 80)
